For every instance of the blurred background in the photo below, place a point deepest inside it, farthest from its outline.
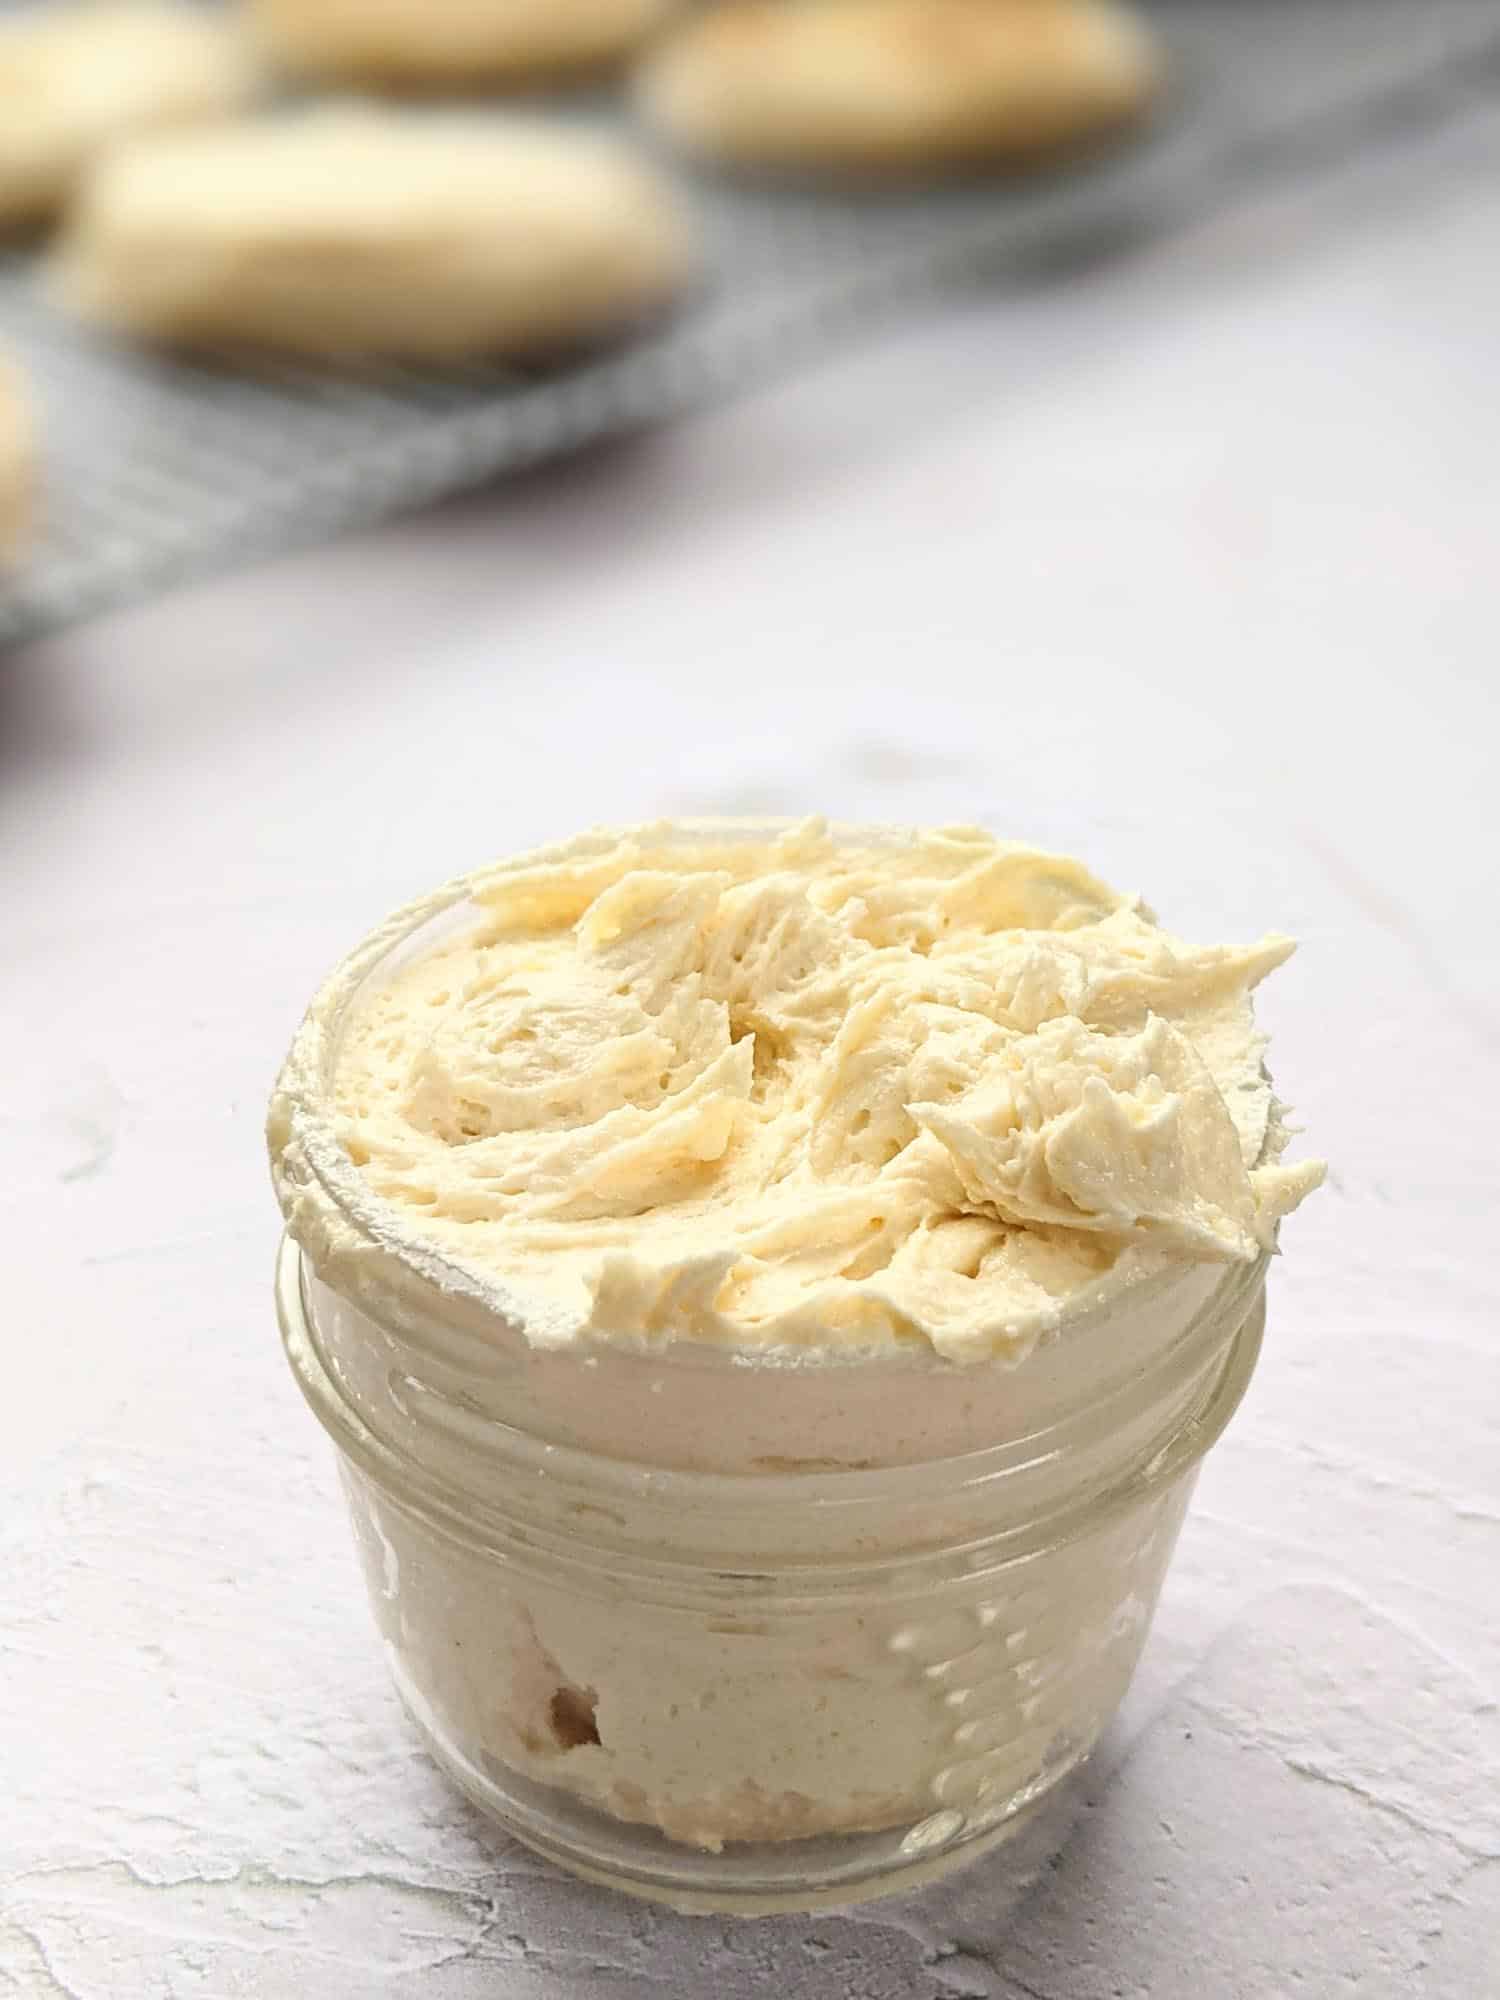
(1135, 496)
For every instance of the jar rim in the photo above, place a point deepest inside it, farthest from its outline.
(522, 1533)
(1215, 1326)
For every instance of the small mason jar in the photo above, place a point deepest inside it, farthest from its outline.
(729, 1633)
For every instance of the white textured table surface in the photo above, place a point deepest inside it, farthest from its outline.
(1191, 569)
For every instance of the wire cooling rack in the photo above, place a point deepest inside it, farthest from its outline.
(157, 470)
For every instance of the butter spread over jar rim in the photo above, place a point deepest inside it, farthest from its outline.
(366, 1245)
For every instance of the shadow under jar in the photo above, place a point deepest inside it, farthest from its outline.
(784, 1686)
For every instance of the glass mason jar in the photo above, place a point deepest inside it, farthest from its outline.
(714, 1670)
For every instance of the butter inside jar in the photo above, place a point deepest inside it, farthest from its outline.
(805, 1091)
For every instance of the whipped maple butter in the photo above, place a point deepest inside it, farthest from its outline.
(795, 1155)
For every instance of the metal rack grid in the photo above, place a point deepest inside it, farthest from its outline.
(157, 470)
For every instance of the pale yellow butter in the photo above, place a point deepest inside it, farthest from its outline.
(846, 1092)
